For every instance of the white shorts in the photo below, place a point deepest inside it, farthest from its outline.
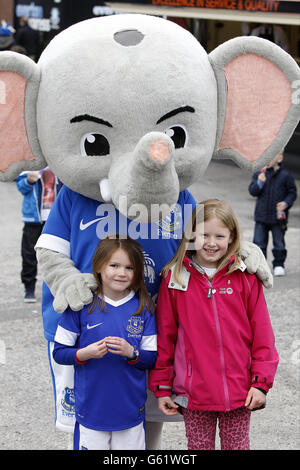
(63, 386)
(127, 439)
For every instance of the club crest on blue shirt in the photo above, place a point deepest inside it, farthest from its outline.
(135, 325)
(171, 226)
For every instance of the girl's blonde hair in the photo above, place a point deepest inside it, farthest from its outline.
(204, 211)
(102, 255)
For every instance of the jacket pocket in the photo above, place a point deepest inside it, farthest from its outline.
(189, 376)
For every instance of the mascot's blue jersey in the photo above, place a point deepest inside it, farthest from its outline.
(76, 224)
(110, 392)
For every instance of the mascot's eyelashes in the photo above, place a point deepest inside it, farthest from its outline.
(94, 144)
(179, 135)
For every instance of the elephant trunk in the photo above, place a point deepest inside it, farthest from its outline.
(146, 188)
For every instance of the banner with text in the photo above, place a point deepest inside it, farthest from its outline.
(292, 6)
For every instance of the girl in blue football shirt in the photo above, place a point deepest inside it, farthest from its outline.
(111, 343)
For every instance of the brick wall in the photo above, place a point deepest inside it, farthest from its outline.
(7, 10)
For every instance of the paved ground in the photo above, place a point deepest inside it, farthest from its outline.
(26, 409)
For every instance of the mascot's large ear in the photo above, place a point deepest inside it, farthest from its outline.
(258, 108)
(19, 85)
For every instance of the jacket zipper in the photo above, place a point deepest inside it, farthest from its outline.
(35, 195)
(216, 315)
(189, 372)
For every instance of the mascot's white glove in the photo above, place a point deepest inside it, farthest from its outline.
(69, 287)
(74, 292)
(256, 263)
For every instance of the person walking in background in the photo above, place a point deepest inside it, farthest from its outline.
(28, 38)
(39, 189)
(275, 191)
(215, 343)
(271, 32)
(111, 343)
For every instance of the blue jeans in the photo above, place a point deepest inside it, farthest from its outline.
(261, 238)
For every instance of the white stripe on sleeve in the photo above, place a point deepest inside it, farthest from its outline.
(149, 343)
(66, 337)
(53, 243)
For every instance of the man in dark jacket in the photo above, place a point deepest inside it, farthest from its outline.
(28, 38)
(275, 190)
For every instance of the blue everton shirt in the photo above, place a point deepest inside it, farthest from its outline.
(110, 393)
(76, 224)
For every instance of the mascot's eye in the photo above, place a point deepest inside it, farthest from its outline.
(179, 135)
(93, 144)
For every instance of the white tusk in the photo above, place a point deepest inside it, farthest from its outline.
(105, 190)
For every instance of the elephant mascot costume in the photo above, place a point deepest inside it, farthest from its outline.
(128, 111)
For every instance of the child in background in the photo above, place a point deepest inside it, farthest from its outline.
(216, 347)
(36, 187)
(111, 344)
(275, 190)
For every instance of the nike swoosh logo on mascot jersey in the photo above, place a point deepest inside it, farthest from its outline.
(83, 226)
(89, 327)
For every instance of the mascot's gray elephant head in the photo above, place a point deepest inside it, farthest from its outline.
(130, 108)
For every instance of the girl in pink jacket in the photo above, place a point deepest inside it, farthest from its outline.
(216, 349)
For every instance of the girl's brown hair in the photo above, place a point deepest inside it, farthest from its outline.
(204, 211)
(102, 255)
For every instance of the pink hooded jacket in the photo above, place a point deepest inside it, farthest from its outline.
(215, 339)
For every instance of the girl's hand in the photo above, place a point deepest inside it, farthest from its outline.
(92, 351)
(119, 346)
(167, 406)
(255, 399)
(33, 176)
